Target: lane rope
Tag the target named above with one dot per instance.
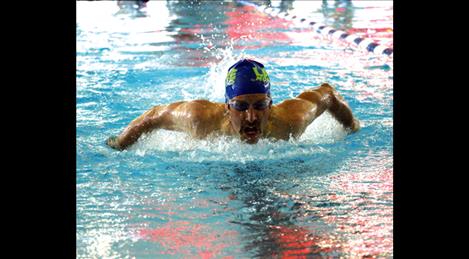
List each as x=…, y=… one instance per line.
x=357, y=41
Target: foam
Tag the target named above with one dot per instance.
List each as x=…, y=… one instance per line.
x=181, y=147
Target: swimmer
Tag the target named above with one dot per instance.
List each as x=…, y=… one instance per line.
x=248, y=112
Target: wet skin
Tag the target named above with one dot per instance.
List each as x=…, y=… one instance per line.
x=201, y=118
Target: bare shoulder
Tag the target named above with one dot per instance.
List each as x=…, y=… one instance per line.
x=291, y=117
x=317, y=95
x=291, y=108
x=203, y=103
x=307, y=102
x=203, y=108
x=200, y=117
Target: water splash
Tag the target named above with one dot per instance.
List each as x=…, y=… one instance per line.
x=323, y=130
x=225, y=57
x=215, y=80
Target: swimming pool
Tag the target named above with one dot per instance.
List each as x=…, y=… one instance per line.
x=327, y=194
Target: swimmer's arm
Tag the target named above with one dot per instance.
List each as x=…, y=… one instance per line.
x=157, y=117
x=327, y=98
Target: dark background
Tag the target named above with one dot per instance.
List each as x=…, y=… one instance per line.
x=39, y=127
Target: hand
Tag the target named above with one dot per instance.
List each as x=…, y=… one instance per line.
x=356, y=125
x=113, y=142
x=340, y=109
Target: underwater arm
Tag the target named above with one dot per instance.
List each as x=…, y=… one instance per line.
x=327, y=98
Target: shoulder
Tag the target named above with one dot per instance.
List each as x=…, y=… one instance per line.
x=291, y=116
x=203, y=110
x=293, y=106
x=203, y=106
x=202, y=117
x=291, y=111
x=202, y=103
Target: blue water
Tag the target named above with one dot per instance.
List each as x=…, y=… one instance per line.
x=170, y=196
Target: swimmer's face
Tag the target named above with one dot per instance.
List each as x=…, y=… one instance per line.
x=249, y=115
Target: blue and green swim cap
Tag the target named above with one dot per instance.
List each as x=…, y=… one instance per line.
x=246, y=77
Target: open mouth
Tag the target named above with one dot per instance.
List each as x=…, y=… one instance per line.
x=251, y=132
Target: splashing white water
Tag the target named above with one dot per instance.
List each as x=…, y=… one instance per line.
x=325, y=129
x=215, y=80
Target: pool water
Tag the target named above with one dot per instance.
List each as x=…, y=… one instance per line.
x=326, y=194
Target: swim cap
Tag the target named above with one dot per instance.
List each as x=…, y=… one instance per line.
x=246, y=77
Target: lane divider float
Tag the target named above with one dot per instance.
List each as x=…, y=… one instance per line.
x=359, y=42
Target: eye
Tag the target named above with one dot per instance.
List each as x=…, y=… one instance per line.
x=240, y=106
x=261, y=105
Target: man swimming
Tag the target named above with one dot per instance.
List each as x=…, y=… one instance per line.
x=248, y=112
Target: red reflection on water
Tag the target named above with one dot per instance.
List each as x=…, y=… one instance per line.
x=362, y=218
x=194, y=57
x=368, y=225
x=244, y=24
x=248, y=23
x=297, y=242
x=182, y=237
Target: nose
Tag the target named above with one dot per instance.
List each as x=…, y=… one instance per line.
x=251, y=114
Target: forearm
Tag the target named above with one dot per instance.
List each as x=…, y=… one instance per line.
x=143, y=124
x=341, y=111
x=131, y=134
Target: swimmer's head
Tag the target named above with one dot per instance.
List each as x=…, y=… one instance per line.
x=246, y=77
x=248, y=100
